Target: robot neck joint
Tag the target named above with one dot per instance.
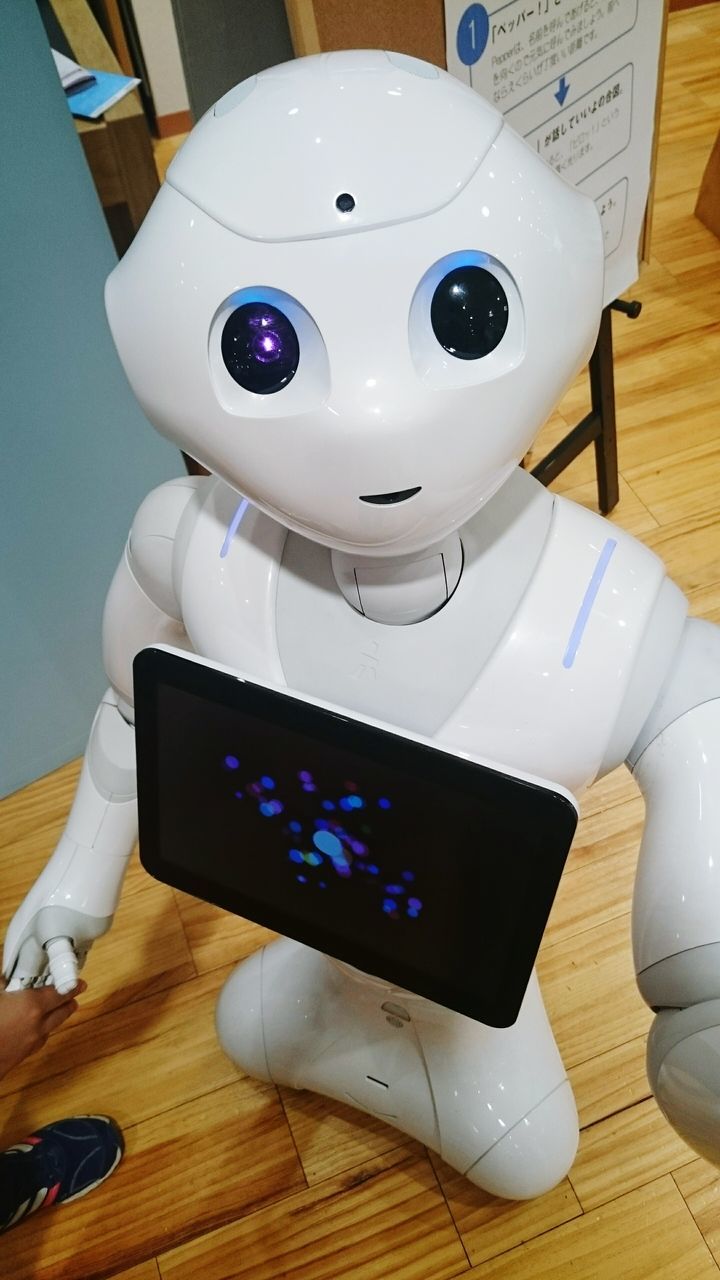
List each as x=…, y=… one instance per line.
x=402, y=589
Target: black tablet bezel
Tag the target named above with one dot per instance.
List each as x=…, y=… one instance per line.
x=547, y=817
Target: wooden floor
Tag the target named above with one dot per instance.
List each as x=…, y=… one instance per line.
x=223, y=1176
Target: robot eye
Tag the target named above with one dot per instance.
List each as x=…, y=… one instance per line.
x=469, y=312
x=260, y=348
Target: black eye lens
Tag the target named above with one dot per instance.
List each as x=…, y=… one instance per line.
x=260, y=348
x=469, y=312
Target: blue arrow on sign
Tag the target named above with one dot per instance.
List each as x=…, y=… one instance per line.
x=563, y=90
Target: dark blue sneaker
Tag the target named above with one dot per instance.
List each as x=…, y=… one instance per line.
x=56, y=1164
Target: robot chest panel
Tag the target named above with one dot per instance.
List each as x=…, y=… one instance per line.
x=538, y=688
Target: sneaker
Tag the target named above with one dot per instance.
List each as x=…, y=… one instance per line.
x=57, y=1164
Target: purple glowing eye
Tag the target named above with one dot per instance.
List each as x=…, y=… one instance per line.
x=260, y=348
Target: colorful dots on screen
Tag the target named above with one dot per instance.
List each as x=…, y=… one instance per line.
x=394, y=889
x=295, y=855
x=384, y=803
x=232, y=762
x=327, y=843
x=358, y=847
x=309, y=786
x=267, y=782
x=302, y=879
x=239, y=795
x=270, y=808
x=305, y=776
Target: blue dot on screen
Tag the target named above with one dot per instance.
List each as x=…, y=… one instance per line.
x=267, y=810
x=267, y=782
x=322, y=884
x=321, y=824
x=327, y=843
x=374, y=871
x=345, y=804
x=415, y=904
x=296, y=856
x=408, y=875
x=394, y=888
x=389, y=905
x=356, y=802
x=413, y=915
x=232, y=762
x=239, y=795
x=302, y=879
x=384, y=803
x=328, y=805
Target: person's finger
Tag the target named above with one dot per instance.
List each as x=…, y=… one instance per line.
x=49, y=998
x=56, y=1017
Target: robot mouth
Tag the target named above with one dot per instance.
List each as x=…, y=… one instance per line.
x=390, y=499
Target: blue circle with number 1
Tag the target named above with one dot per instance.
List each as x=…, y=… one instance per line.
x=472, y=34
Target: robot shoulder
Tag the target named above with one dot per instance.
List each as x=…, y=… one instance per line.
x=156, y=542
x=574, y=676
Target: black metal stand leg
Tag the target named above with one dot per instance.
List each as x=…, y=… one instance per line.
x=598, y=426
x=602, y=392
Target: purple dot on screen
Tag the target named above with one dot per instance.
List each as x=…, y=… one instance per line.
x=296, y=856
x=302, y=879
x=358, y=848
x=328, y=805
x=394, y=888
x=309, y=786
x=408, y=875
x=343, y=870
x=240, y=795
x=232, y=762
x=322, y=884
x=415, y=904
x=384, y=803
x=267, y=782
x=304, y=776
x=276, y=806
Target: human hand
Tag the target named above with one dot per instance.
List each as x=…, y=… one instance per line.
x=27, y=1019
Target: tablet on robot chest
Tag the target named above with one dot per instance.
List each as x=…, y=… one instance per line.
x=424, y=868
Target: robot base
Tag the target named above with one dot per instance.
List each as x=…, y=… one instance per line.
x=495, y=1104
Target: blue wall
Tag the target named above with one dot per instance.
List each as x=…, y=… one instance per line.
x=76, y=453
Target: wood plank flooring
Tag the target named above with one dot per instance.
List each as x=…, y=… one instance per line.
x=226, y=1177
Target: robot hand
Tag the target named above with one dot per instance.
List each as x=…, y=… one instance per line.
x=73, y=900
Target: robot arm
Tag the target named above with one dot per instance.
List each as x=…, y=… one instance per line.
x=73, y=900
x=676, y=910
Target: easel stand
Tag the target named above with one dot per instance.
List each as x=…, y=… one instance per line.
x=598, y=426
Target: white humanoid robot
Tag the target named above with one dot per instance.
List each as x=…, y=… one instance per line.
x=356, y=299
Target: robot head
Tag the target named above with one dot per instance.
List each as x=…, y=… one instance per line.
x=357, y=297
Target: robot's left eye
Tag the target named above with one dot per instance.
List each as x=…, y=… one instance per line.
x=469, y=312
x=260, y=348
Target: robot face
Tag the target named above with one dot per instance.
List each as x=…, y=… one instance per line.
x=357, y=298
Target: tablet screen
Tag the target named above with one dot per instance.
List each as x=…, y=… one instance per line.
x=421, y=867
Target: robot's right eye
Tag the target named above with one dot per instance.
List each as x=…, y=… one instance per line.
x=260, y=348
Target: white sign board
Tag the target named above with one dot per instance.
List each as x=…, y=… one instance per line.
x=578, y=79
